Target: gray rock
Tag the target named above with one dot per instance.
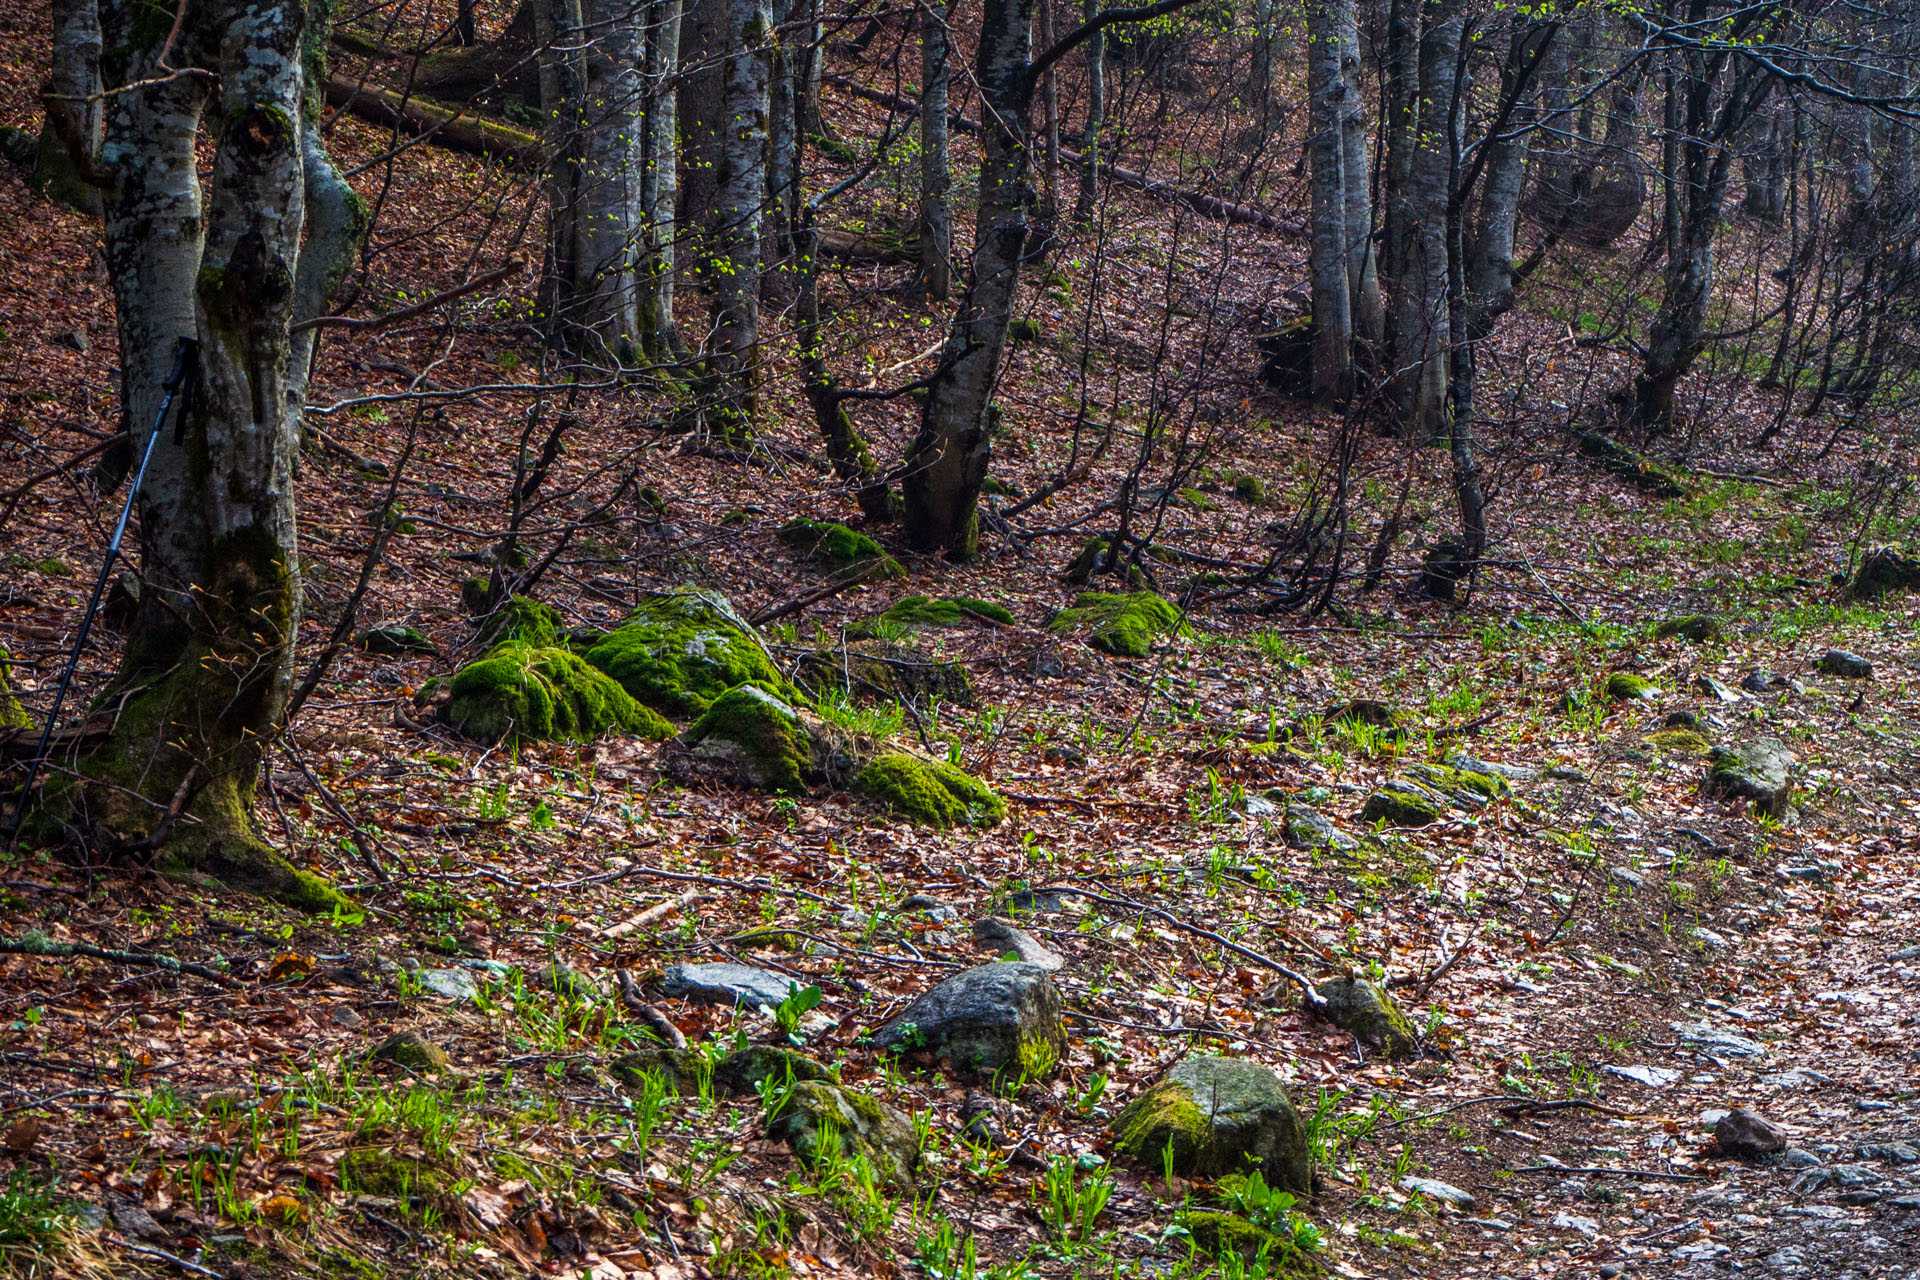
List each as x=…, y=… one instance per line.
x=1905, y=1202
x=1212, y=1116
x=1566, y=773
x=1511, y=772
x=1702, y=1251
x=411, y=1050
x=936, y=910
x=1905, y=953
x=1714, y=689
x=1445, y=1192
x=990, y=1020
x=1747, y=1135
x=1757, y=681
x=456, y=985
x=1797, y=1078
x=1849, y=666
x=1798, y=1158
x=741, y=1071
x=1706, y=1038
x=1652, y=1077
x=1570, y=1222
x=73, y=340
x=882, y=1133
x=1307, y=829
x=1760, y=771
x=1627, y=875
x=728, y=984
x=1847, y=1177
x=1366, y=1010
x=85, y=1215
x=1401, y=802
x=564, y=980
x=998, y=935
x=133, y=1219
x=1892, y=1152
x=1257, y=806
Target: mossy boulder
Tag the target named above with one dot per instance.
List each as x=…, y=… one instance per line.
x=1249, y=489
x=12, y=714
x=840, y=549
x=1760, y=771
x=1466, y=788
x=679, y=651
x=394, y=639
x=818, y=1114
x=523, y=621
x=544, y=694
x=759, y=738
x=1367, y=1011
x=930, y=791
x=743, y=1070
x=1000, y=1021
x=683, y=1071
x=921, y=613
x=413, y=1051
x=1650, y=475
x=1695, y=628
x=892, y=669
x=1625, y=686
x=1883, y=571
x=1122, y=624
x=1402, y=802
x=1840, y=662
x=1213, y=1116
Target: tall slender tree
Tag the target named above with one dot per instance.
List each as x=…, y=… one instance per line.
x=935, y=274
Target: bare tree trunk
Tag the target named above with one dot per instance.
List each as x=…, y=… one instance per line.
x=1050, y=104
x=1489, y=267
x=1420, y=325
x=70, y=138
x=1327, y=256
x=852, y=461
x=733, y=350
x=659, y=182
x=1096, y=111
x=948, y=461
x=1400, y=103
x=783, y=184
x=936, y=171
x=1356, y=167
x=203, y=684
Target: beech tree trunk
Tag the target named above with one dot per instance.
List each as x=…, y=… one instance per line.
x=1489, y=268
x=70, y=137
x=782, y=213
x=203, y=683
x=1326, y=151
x=936, y=169
x=1356, y=171
x=948, y=460
x=659, y=182
x=1420, y=324
x=1096, y=113
x=740, y=181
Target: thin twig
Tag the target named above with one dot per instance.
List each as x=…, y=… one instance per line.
x=38, y=944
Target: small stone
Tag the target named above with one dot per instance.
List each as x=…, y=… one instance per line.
x=1701, y=1251
x=870, y=1127
x=1445, y=1192
x=413, y=1051
x=346, y=1018
x=1848, y=666
x=1757, y=681
x=73, y=340
x=1905, y=953
x=1401, y=803
x=1893, y=1152
x=1369, y=1013
x=456, y=985
x=741, y=1071
x=1714, y=689
x=1566, y=773
x=1627, y=875
x=1570, y=1222
x=1682, y=719
x=989, y=1020
x=728, y=984
x=1745, y=1134
x=1717, y=1041
x=1798, y=1158
x=1905, y=1202
x=1760, y=771
x=1612, y=1270
x=1307, y=829
x=132, y=1218
x=1652, y=1077
x=997, y=935
x=1696, y=628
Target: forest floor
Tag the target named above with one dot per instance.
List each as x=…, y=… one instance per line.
x=1597, y=965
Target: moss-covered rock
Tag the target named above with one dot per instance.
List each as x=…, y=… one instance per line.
x=12, y=714
x=394, y=639
x=411, y=1050
x=818, y=1114
x=841, y=549
x=742, y=1071
x=1197, y=500
x=1648, y=474
x=1884, y=570
x=523, y=621
x=1467, y=788
x=930, y=791
x=547, y=695
x=1369, y=1012
x=758, y=736
x=1404, y=803
x=887, y=669
x=683, y=1071
x=1760, y=771
x=1080, y=572
x=920, y=613
x=1696, y=628
x=1249, y=489
x=1681, y=741
x=679, y=651
x=1124, y=625
x=1213, y=1116
x=386, y=1171
x=1625, y=686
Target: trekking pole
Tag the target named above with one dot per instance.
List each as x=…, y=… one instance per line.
x=179, y=384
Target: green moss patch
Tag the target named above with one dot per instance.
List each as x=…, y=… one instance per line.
x=1469, y=788
x=523, y=621
x=12, y=714
x=545, y=694
x=917, y=613
x=1624, y=686
x=394, y=639
x=679, y=651
x=1124, y=625
x=384, y=1171
x=930, y=791
x=1681, y=740
x=840, y=548
x=1249, y=489
x=1697, y=628
x=759, y=735
x=887, y=669
x=1403, y=803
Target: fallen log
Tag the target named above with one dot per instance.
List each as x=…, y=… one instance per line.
x=460, y=130
x=1199, y=201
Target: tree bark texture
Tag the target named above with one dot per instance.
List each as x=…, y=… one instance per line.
x=740, y=183
x=70, y=137
x=1327, y=255
x=1418, y=357
x=936, y=167
x=660, y=181
x=1096, y=120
